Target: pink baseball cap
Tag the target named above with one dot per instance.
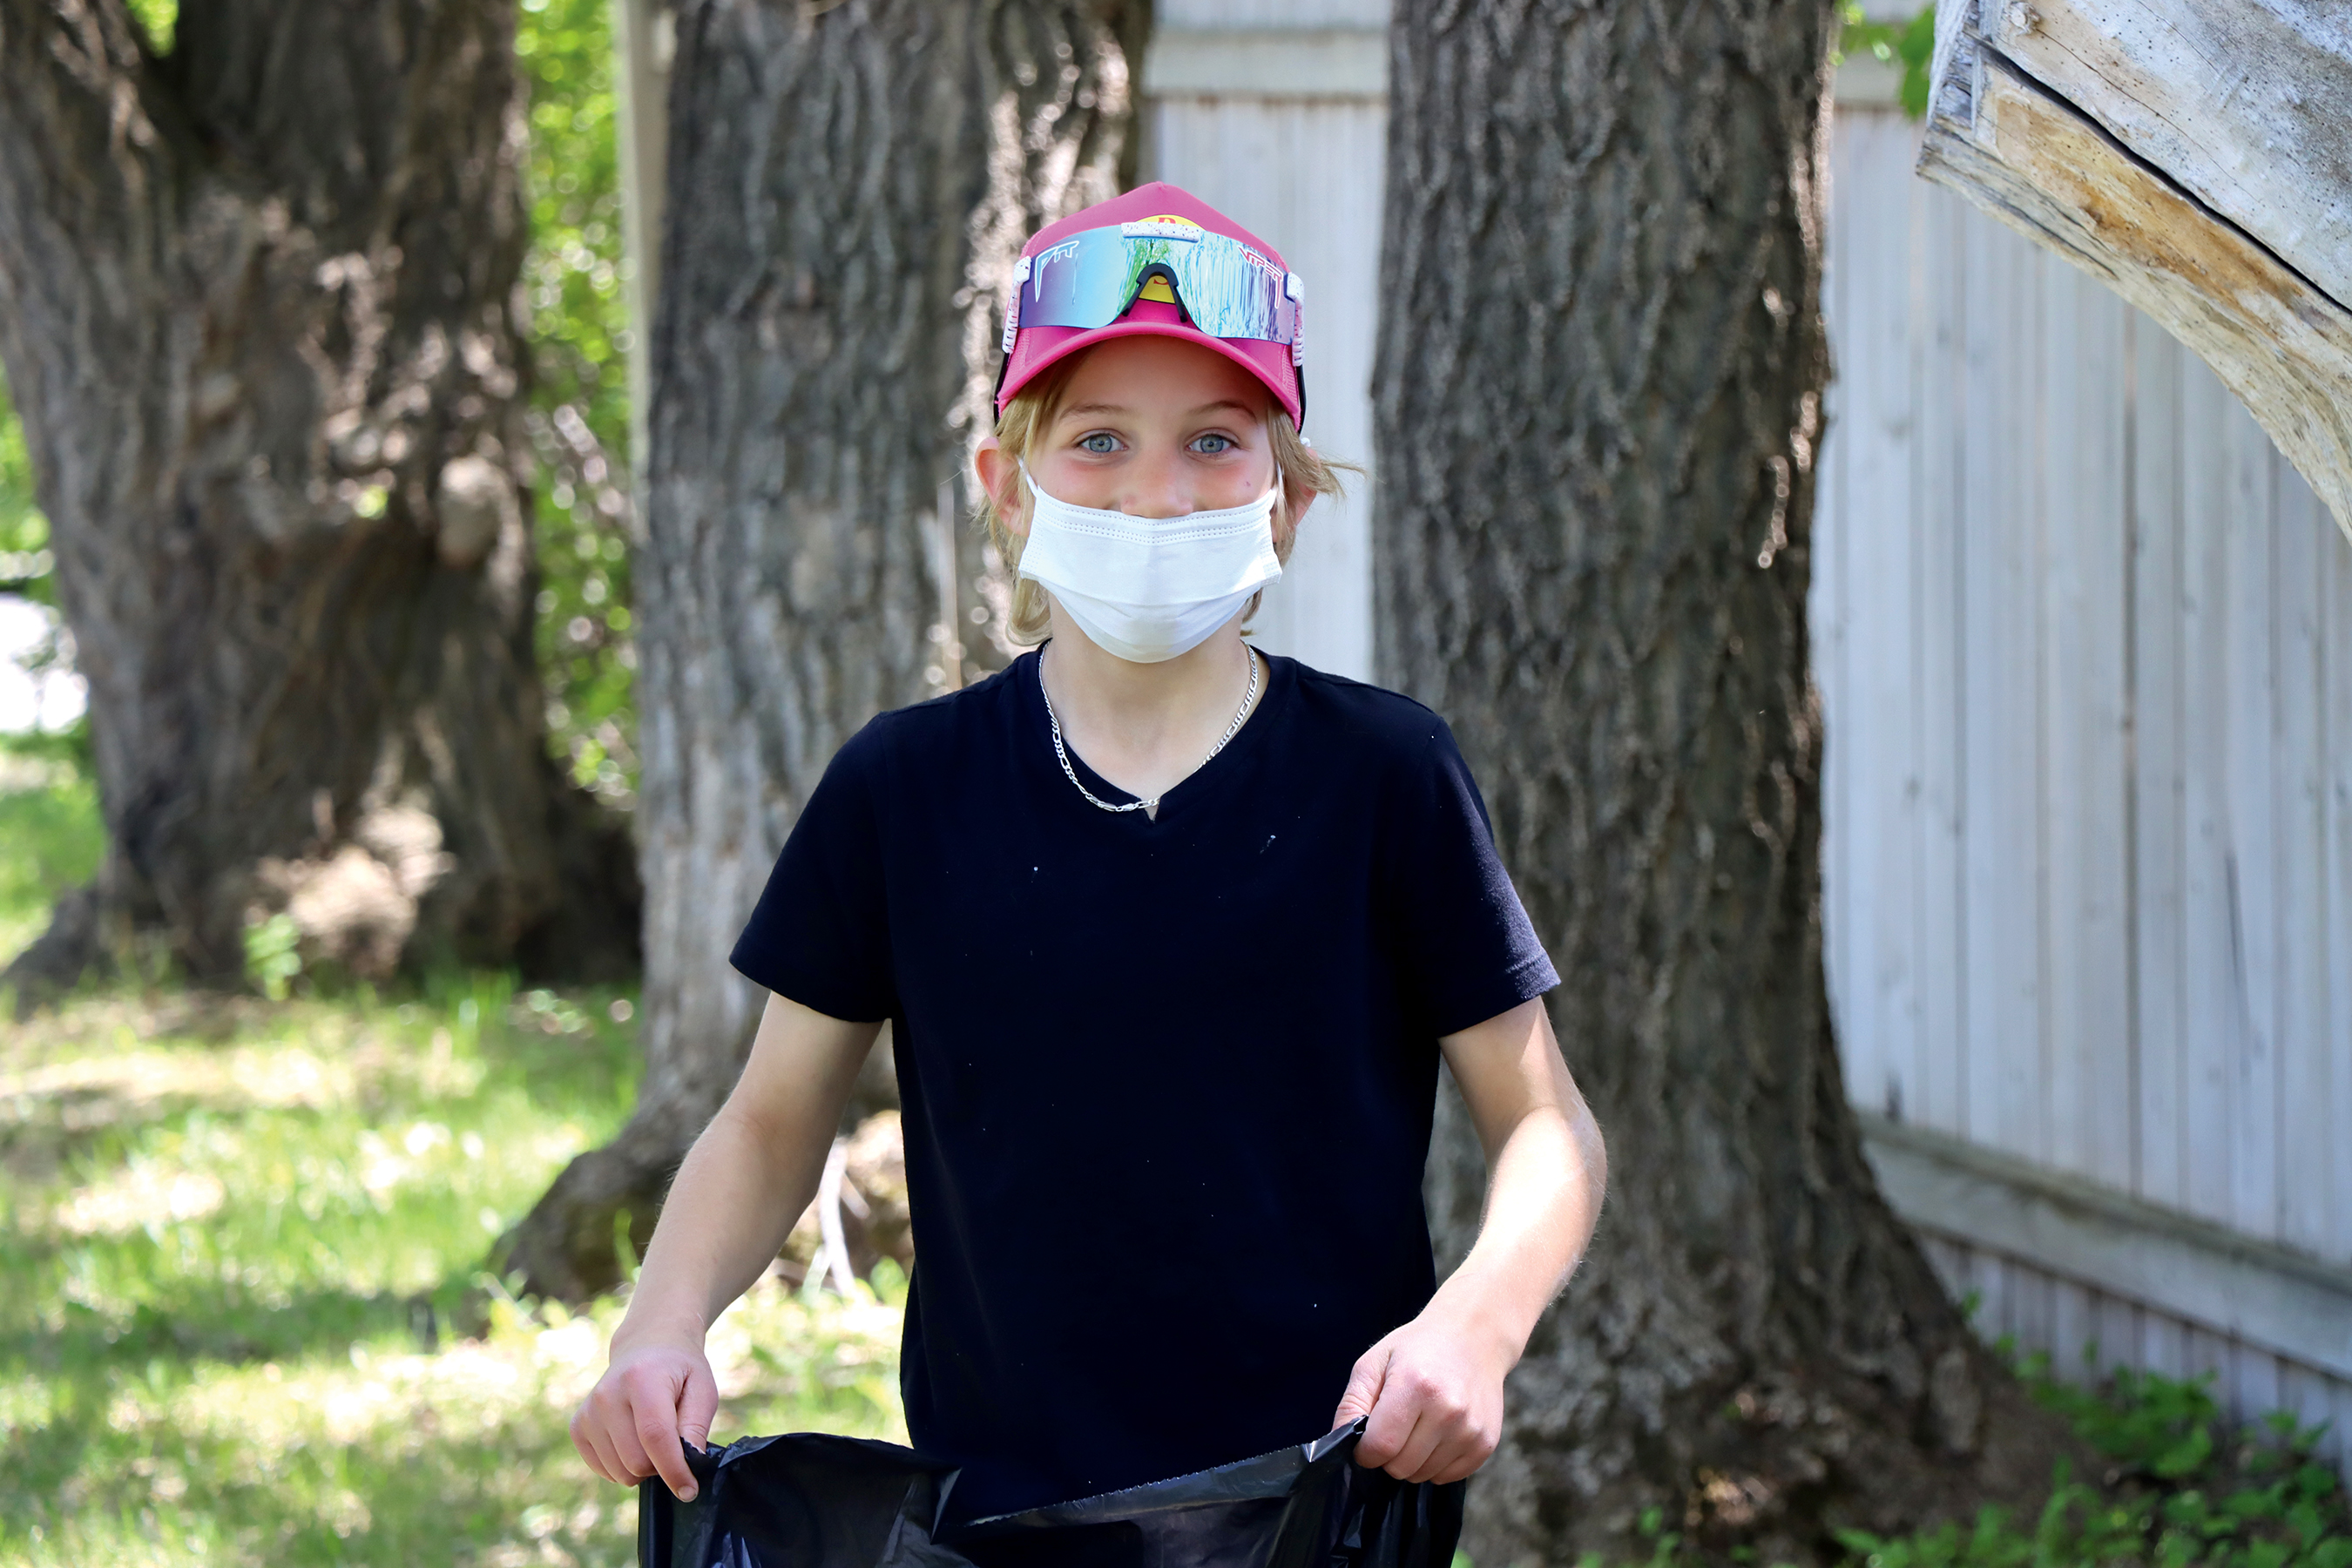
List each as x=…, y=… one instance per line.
x=1035, y=348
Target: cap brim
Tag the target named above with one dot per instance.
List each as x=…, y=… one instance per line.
x=1128, y=327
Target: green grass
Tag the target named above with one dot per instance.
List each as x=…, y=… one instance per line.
x=245, y=1320
x=51, y=839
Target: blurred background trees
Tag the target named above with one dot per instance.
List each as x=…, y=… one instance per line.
x=577, y=418
x=265, y=337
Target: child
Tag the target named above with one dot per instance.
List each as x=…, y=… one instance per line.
x=1172, y=934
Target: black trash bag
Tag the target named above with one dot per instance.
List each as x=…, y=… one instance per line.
x=809, y=1501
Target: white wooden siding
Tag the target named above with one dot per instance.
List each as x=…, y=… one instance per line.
x=2085, y=643
x=1296, y=156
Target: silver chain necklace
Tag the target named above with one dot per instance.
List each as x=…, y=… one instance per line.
x=1071, y=773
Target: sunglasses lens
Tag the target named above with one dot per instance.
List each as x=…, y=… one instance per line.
x=1089, y=279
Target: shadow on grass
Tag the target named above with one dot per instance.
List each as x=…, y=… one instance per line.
x=223, y=1324
x=407, y=1493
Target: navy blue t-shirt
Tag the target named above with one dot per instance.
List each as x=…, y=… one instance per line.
x=1167, y=1084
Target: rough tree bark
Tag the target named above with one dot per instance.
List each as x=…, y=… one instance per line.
x=1598, y=396
x=848, y=188
x=258, y=310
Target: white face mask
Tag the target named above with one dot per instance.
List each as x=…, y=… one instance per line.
x=1144, y=588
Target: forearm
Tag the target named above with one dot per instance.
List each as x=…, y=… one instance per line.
x=1432, y=1389
x=1544, y=1189
x=749, y=1175
x=732, y=1204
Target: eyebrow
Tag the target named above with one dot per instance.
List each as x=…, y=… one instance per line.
x=1076, y=409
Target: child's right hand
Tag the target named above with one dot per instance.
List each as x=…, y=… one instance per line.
x=653, y=1395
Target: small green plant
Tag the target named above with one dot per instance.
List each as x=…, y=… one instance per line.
x=273, y=959
x=2184, y=1490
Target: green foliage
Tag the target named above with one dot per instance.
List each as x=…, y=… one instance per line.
x=26, y=563
x=579, y=416
x=2184, y=1490
x=1912, y=42
x=49, y=824
x=272, y=956
x=246, y=1320
x=158, y=20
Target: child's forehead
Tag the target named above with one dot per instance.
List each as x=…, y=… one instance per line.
x=1158, y=374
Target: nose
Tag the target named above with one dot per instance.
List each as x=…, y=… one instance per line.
x=1158, y=486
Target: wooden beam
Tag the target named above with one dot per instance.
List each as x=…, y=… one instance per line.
x=1353, y=63
x=2189, y=1268
x=1265, y=62
x=2020, y=148
x=2242, y=104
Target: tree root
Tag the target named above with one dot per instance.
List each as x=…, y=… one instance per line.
x=568, y=1246
x=1769, y=1469
x=61, y=956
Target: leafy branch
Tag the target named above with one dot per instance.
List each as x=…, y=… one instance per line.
x=1912, y=43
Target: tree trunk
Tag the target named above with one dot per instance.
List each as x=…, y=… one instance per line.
x=848, y=187
x=258, y=310
x=1601, y=368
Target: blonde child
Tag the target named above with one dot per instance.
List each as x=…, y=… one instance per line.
x=1172, y=934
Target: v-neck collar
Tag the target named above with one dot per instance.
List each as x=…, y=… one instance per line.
x=1179, y=797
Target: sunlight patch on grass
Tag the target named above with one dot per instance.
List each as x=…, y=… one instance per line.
x=246, y=1319
x=354, y=1457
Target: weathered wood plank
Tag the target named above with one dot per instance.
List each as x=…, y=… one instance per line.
x=2301, y=543
x=1999, y=648
x=2240, y=102
x=2249, y=758
x=2161, y=744
x=2063, y=1227
x=2087, y=1048
x=1872, y=395
x=2041, y=165
x=1940, y=221
x=2335, y=871
x=2210, y=1019
x=1260, y=62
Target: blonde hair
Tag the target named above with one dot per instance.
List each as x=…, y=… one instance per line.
x=1304, y=470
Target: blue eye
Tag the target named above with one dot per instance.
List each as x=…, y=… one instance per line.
x=1213, y=445
x=1101, y=443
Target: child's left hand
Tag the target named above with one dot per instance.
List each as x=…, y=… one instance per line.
x=1434, y=1390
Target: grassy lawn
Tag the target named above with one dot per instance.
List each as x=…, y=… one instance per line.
x=241, y=1239
x=244, y=1318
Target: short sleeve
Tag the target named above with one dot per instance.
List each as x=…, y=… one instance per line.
x=1465, y=949
x=820, y=933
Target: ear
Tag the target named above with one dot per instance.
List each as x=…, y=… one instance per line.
x=1295, y=505
x=999, y=475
